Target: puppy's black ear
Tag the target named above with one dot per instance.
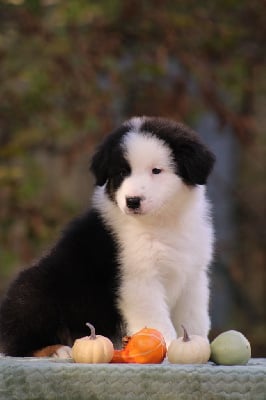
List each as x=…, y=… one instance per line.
x=99, y=165
x=195, y=162
x=106, y=155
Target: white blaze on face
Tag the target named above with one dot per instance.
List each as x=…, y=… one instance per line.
x=153, y=179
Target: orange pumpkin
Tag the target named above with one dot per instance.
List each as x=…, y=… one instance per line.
x=119, y=356
x=144, y=347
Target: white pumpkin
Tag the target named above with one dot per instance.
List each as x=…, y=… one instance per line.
x=93, y=349
x=191, y=349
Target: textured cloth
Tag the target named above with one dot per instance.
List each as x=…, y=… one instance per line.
x=52, y=379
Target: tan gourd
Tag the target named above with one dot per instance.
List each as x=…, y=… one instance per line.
x=193, y=349
x=93, y=349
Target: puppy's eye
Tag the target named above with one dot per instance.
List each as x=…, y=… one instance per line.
x=156, y=171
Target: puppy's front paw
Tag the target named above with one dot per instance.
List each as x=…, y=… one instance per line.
x=63, y=352
x=56, y=351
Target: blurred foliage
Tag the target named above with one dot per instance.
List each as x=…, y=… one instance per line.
x=71, y=70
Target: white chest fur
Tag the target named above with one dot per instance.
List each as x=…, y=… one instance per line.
x=172, y=253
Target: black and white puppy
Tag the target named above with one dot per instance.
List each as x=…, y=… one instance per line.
x=138, y=258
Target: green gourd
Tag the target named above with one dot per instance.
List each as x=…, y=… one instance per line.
x=230, y=348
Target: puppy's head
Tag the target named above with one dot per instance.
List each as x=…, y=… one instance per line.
x=148, y=162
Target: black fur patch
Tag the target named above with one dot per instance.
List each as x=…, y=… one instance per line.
x=108, y=154
x=109, y=164
x=75, y=283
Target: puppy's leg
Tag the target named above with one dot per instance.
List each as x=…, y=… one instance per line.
x=192, y=308
x=142, y=303
x=56, y=351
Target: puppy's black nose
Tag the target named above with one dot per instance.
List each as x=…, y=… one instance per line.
x=133, y=202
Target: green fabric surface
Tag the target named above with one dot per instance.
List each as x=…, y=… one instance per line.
x=52, y=379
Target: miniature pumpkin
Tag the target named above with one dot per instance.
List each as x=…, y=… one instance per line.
x=93, y=349
x=230, y=348
x=191, y=349
x=144, y=347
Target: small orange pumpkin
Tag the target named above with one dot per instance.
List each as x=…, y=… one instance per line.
x=144, y=347
x=119, y=356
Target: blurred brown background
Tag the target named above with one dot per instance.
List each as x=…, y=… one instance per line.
x=71, y=71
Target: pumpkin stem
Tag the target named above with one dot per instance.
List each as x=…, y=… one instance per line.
x=186, y=338
x=92, y=329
